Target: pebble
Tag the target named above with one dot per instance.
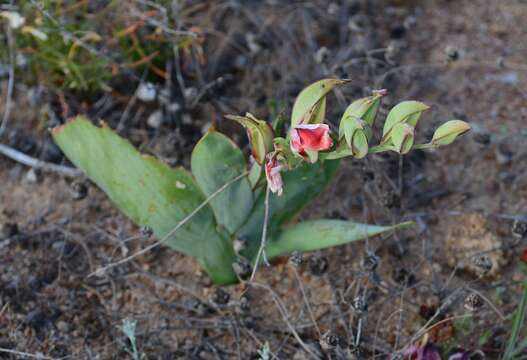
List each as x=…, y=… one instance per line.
x=155, y=120
x=33, y=176
x=146, y=92
x=63, y=326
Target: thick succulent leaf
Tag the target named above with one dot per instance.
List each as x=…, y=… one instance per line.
x=312, y=99
x=407, y=112
x=149, y=192
x=319, y=234
x=301, y=186
x=215, y=161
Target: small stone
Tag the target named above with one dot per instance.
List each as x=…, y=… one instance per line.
x=318, y=265
x=370, y=262
x=146, y=92
x=155, y=120
x=242, y=267
x=473, y=302
x=321, y=55
x=329, y=341
x=484, y=263
x=187, y=119
x=146, y=232
x=239, y=245
x=252, y=43
x=79, y=190
x=296, y=258
x=245, y=303
x=221, y=297
x=452, y=53
x=174, y=108
x=33, y=176
x=519, y=229
x=190, y=94
x=360, y=305
x=63, y=326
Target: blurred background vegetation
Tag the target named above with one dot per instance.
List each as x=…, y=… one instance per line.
x=87, y=47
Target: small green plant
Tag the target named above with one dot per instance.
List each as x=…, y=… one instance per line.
x=264, y=352
x=515, y=348
x=128, y=329
x=227, y=211
x=69, y=45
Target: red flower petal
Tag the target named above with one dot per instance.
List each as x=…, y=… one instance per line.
x=314, y=137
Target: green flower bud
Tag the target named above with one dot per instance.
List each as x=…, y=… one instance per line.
x=407, y=112
x=356, y=132
x=402, y=138
x=260, y=135
x=449, y=131
x=365, y=108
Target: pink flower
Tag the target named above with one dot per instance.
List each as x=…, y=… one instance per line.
x=314, y=137
x=272, y=173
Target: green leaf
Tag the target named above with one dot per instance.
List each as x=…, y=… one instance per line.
x=311, y=102
x=215, y=161
x=149, y=192
x=301, y=186
x=449, y=131
x=407, y=112
x=319, y=234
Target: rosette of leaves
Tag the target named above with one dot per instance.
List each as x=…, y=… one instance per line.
x=153, y=194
